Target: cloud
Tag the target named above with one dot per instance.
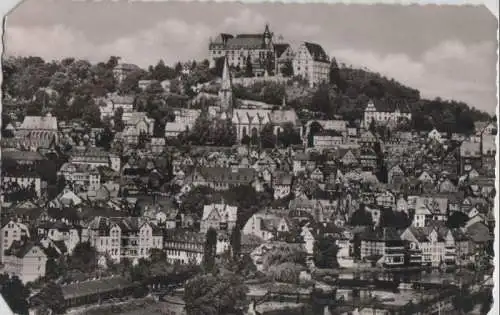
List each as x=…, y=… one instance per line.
x=246, y=20
x=171, y=40
x=450, y=70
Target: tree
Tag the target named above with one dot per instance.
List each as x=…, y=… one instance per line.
x=463, y=302
x=162, y=72
x=321, y=101
x=325, y=252
x=249, y=67
x=289, y=136
x=92, y=115
x=14, y=293
x=118, y=119
x=236, y=242
x=314, y=128
x=53, y=269
x=105, y=138
x=178, y=68
x=267, y=136
x=224, y=294
x=210, y=250
x=457, y=220
x=361, y=217
x=334, y=75
x=84, y=257
x=51, y=297
x=287, y=69
x=394, y=219
x=130, y=83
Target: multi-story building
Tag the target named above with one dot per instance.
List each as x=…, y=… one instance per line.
x=60, y=231
x=184, y=246
x=11, y=232
x=184, y=121
x=385, y=245
x=219, y=217
x=222, y=178
x=94, y=157
x=311, y=63
x=83, y=176
x=327, y=139
x=109, y=104
x=256, y=49
x=118, y=238
x=25, y=179
x=266, y=225
x=26, y=260
x=383, y=116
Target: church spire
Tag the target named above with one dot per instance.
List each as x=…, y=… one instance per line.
x=226, y=91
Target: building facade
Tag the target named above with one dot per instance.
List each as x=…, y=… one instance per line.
x=311, y=63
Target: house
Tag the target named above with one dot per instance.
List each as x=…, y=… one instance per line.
x=327, y=139
x=26, y=260
x=367, y=138
x=470, y=156
x=311, y=63
x=60, y=231
x=82, y=177
x=119, y=238
x=282, y=184
x=67, y=198
x=395, y=115
x=222, y=178
x=386, y=199
x=144, y=84
x=109, y=104
x=221, y=217
x=422, y=216
x=284, y=54
x=11, y=232
x=317, y=175
x=395, y=174
x=267, y=225
x=184, y=247
x=184, y=121
x=22, y=178
x=385, y=245
x=94, y=157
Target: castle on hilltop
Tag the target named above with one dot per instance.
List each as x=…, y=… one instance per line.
x=261, y=50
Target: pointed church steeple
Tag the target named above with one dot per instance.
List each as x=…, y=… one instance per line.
x=267, y=37
x=226, y=91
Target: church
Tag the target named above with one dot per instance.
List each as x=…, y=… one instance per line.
x=250, y=117
x=38, y=131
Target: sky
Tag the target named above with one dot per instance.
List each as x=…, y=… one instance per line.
x=445, y=51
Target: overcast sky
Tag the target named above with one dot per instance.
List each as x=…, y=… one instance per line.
x=447, y=51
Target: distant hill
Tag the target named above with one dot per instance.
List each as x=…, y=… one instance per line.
x=352, y=88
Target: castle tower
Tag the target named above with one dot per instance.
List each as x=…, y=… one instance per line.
x=267, y=37
x=226, y=92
